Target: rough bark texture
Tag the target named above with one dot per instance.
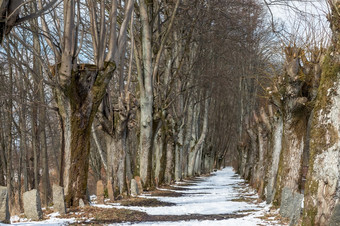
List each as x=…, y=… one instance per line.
x=276, y=151
x=274, y=157
x=323, y=179
x=179, y=154
x=116, y=147
x=194, y=155
x=146, y=97
x=169, y=168
x=85, y=93
x=295, y=118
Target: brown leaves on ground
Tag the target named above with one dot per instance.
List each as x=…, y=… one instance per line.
x=99, y=216
x=274, y=216
x=94, y=215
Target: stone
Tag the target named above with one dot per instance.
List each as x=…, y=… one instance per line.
x=58, y=199
x=134, y=188
x=296, y=208
x=81, y=203
x=4, y=209
x=139, y=183
x=286, y=202
x=100, y=192
x=32, y=205
x=110, y=191
x=269, y=193
x=291, y=205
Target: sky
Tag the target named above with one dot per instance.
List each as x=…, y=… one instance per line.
x=306, y=19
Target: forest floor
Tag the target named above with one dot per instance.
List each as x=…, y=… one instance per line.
x=222, y=198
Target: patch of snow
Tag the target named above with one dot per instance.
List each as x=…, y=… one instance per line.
x=51, y=222
x=105, y=206
x=93, y=197
x=232, y=221
x=56, y=214
x=15, y=218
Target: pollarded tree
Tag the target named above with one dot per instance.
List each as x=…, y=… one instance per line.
x=322, y=186
x=81, y=87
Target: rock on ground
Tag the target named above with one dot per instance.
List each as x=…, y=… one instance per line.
x=32, y=205
x=58, y=199
x=134, y=188
x=4, y=211
x=100, y=192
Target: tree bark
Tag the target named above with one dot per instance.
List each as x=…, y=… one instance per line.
x=323, y=184
x=169, y=168
x=146, y=96
x=276, y=145
x=85, y=96
x=187, y=137
x=194, y=155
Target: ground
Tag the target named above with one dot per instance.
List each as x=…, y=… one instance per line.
x=219, y=199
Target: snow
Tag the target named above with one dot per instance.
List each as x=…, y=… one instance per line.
x=52, y=221
x=220, y=193
x=230, y=222
x=212, y=195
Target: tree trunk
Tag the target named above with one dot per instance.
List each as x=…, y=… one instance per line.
x=64, y=112
x=85, y=93
x=323, y=183
x=191, y=152
x=187, y=138
x=46, y=177
x=9, y=139
x=276, y=146
x=295, y=118
x=23, y=142
x=2, y=156
x=194, y=153
x=80, y=149
x=146, y=97
x=169, y=168
x=179, y=153
x=116, y=161
x=198, y=163
x=158, y=154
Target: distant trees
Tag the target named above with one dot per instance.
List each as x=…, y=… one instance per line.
x=125, y=89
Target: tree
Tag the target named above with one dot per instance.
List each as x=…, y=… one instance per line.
x=9, y=12
x=82, y=87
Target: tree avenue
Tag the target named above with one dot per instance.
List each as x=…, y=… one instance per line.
x=153, y=92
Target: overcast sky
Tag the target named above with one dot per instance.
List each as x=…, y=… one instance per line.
x=306, y=18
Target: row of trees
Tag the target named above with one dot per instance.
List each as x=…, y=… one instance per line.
x=290, y=150
x=120, y=89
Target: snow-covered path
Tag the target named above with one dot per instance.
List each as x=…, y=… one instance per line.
x=222, y=193
x=222, y=198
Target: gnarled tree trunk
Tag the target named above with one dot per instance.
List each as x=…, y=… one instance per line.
x=322, y=202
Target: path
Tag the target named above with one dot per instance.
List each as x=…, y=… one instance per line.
x=221, y=194
x=222, y=198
